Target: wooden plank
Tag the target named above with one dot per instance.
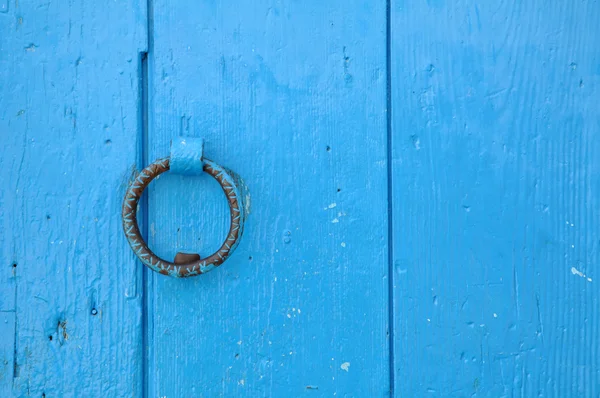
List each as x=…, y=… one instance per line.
x=495, y=136
x=69, y=118
x=7, y=351
x=292, y=96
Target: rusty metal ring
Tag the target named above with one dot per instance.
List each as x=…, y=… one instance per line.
x=185, y=265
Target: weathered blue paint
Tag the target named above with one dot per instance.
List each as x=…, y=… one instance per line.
x=291, y=95
x=495, y=139
x=186, y=156
x=69, y=106
x=424, y=187
x=228, y=181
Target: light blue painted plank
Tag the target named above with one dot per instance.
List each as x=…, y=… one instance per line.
x=495, y=176
x=68, y=123
x=7, y=350
x=7, y=317
x=292, y=97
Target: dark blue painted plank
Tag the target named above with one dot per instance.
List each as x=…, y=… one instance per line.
x=495, y=176
x=292, y=97
x=69, y=124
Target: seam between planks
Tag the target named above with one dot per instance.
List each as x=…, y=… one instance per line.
x=390, y=190
x=147, y=277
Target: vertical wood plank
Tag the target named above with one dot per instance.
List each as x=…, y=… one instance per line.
x=70, y=301
x=495, y=136
x=291, y=96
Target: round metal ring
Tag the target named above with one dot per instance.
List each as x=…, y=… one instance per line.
x=226, y=179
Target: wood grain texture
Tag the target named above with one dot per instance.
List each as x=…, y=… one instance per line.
x=291, y=96
x=69, y=99
x=495, y=176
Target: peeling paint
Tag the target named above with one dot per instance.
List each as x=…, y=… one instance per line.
x=575, y=271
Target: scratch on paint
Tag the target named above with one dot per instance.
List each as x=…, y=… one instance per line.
x=575, y=271
x=539, y=316
x=61, y=331
x=516, y=287
x=16, y=335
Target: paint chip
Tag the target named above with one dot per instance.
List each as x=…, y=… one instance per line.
x=335, y=221
x=575, y=271
x=345, y=366
x=343, y=244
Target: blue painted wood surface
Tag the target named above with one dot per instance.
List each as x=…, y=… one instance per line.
x=69, y=126
x=449, y=143
x=284, y=94
x=495, y=181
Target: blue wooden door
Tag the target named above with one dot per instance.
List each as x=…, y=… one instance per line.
x=422, y=198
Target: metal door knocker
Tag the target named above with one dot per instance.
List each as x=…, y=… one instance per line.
x=186, y=158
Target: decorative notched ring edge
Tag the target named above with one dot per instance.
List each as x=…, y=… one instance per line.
x=229, y=182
